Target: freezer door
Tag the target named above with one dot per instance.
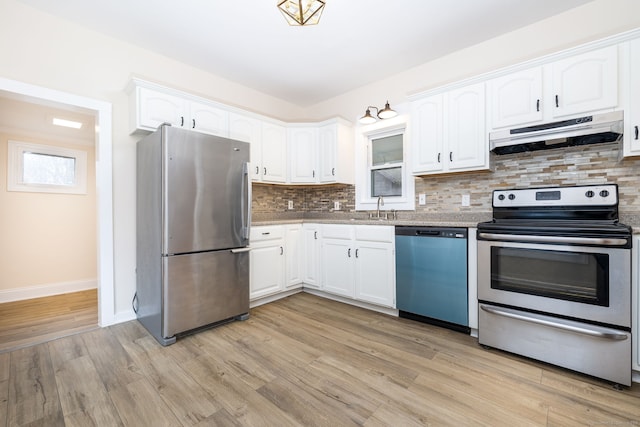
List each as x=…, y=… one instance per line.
x=206, y=197
x=204, y=288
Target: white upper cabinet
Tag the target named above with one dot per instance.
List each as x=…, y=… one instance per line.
x=516, y=98
x=468, y=141
x=274, y=153
x=572, y=86
x=152, y=108
x=335, y=143
x=249, y=130
x=303, y=155
x=632, y=110
x=206, y=118
x=586, y=82
x=448, y=131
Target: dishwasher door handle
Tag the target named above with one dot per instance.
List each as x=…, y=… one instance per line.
x=427, y=233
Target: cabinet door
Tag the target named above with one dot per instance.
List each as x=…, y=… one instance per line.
x=274, y=146
x=338, y=271
x=311, y=256
x=468, y=141
x=375, y=273
x=328, y=146
x=516, y=99
x=156, y=108
x=586, y=82
x=303, y=155
x=293, y=256
x=248, y=130
x=208, y=119
x=428, y=134
x=632, y=113
x=267, y=270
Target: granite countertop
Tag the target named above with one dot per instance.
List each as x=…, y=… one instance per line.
x=449, y=219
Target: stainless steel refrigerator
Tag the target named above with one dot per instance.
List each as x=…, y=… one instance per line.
x=193, y=219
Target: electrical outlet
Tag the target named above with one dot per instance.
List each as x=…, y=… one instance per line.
x=422, y=199
x=336, y=206
x=466, y=200
x=290, y=204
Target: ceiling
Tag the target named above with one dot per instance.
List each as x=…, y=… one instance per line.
x=357, y=42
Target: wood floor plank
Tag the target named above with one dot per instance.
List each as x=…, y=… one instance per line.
x=33, y=394
x=35, y=321
x=140, y=405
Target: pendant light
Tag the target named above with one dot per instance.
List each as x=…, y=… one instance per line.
x=301, y=12
x=385, y=113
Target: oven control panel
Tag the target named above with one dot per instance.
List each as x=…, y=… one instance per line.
x=585, y=195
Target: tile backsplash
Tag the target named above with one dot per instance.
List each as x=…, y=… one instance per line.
x=594, y=164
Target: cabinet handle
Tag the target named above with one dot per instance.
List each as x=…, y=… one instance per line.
x=315, y=235
x=265, y=171
x=194, y=123
x=313, y=174
x=333, y=170
x=281, y=250
x=557, y=104
x=349, y=252
x=357, y=253
x=451, y=156
x=257, y=170
x=181, y=121
x=636, y=129
x=266, y=233
x=537, y=105
x=439, y=157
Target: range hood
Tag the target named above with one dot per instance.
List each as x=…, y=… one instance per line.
x=599, y=128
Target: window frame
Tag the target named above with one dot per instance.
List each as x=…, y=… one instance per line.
x=15, y=168
x=364, y=166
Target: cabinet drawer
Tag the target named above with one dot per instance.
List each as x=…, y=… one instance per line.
x=375, y=233
x=270, y=232
x=337, y=231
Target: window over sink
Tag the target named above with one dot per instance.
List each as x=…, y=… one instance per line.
x=381, y=169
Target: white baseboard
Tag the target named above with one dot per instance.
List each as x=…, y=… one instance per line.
x=47, y=290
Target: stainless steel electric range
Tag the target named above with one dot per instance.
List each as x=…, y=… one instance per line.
x=554, y=279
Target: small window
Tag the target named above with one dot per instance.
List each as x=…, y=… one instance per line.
x=386, y=166
x=46, y=168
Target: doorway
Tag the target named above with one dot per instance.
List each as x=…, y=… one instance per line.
x=101, y=111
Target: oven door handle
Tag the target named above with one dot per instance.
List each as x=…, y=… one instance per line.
x=554, y=239
x=603, y=333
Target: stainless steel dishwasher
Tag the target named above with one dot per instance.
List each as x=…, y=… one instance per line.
x=431, y=275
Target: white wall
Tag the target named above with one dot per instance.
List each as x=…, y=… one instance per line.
x=590, y=22
x=43, y=50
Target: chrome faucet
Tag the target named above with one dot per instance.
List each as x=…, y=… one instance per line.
x=380, y=203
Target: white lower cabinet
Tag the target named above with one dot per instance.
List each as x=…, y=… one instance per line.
x=293, y=256
x=358, y=262
x=311, y=248
x=267, y=261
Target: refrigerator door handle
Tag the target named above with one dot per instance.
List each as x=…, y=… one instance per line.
x=246, y=206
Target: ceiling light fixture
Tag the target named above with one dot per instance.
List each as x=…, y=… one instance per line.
x=301, y=12
x=385, y=113
x=66, y=123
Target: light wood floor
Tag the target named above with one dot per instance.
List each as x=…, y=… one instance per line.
x=300, y=361
x=34, y=321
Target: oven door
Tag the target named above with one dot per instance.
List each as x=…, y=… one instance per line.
x=581, y=282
